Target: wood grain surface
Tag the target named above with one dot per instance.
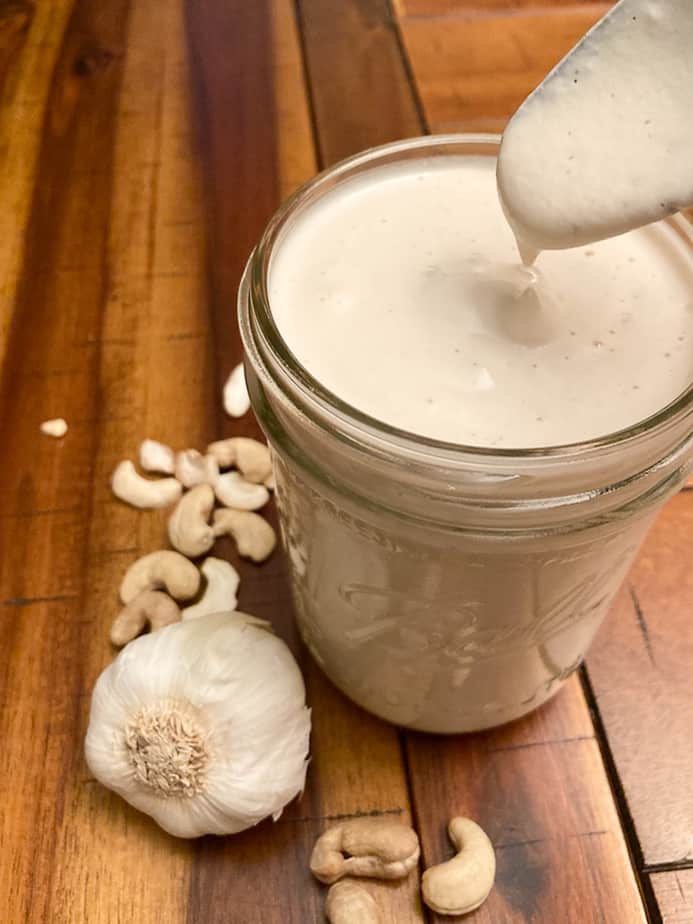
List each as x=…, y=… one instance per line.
x=143, y=147
x=674, y=891
x=473, y=72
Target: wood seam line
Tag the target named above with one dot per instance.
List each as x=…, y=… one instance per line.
x=628, y=829
x=396, y=26
x=308, y=84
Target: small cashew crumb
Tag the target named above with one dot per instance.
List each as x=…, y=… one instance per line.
x=193, y=468
x=56, y=427
x=188, y=526
x=220, y=593
x=157, y=457
x=375, y=847
x=251, y=457
x=233, y=490
x=254, y=536
x=151, y=607
x=463, y=883
x=148, y=494
x=350, y=903
x=236, y=398
x=170, y=570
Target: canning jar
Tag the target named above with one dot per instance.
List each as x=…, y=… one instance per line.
x=442, y=587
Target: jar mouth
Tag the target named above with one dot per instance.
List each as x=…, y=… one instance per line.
x=263, y=341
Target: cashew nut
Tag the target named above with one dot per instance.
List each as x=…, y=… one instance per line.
x=270, y=481
x=151, y=607
x=188, y=526
x=132, y=488
x=236, y=398
x=219, y=594
x=463, y=883
x=350, y=903
x=193, y=468
x=251, y=457
x=233, y=490
x=376, y=847
x=254, y=536
x=56, y=427
x=166, y=569
x=157, y=457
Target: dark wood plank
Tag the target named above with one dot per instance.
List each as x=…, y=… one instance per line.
x=674, y=893
x=359, y=85
x=249, y=142
x=473, y=72
x=539, y=789
x=640, y=671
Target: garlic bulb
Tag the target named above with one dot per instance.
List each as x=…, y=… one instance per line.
x=202, y=725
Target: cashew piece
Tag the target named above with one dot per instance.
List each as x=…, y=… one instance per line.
x=375, y=847
x=143, y=492
x=350, y=903
x=251, y=457
x=151, y=607
x=254, y=536
x=188, y=525
x=56, y=427
x=233, y=490
x=193, y=468
x=219, y=595
x=235, y=395
x=157, y=457
x=463, y=883
x=166, y=569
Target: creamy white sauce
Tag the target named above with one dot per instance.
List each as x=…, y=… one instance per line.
x=400, y=291
x=605, y=143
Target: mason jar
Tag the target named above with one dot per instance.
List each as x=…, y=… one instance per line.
x=445, y=588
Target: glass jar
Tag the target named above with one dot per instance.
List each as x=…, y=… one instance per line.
x=445, y=588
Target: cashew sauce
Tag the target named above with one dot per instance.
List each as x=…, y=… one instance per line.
x=400, y=290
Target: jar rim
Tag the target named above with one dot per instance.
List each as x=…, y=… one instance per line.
x=317, y=400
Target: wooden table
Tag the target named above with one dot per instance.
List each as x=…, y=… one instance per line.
x=144, y=145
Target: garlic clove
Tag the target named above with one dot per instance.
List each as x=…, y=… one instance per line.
x=214, y=738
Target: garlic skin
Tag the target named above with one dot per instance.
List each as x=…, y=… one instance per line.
x=202, y=725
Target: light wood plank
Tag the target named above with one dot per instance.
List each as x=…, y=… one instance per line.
x=30, y=38
x=640, y=670
x=473, y=72
x=674, y=893
x=446, y=8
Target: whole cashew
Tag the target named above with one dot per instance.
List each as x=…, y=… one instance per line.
x=235, y=394
x=251, y=458
x=192, y=468
x=188, y=525
x=143, y=492
x=463, y=883
x=157, y=457
x=254, y=536
x=151, y=607
x=219, y=595
x=166, y=569
x=350, y=903
x=57, y=427
x=374, y=847
x=233, y=490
